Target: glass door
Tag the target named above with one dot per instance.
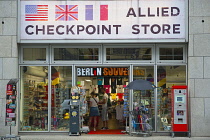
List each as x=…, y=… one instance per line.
x=143, y=100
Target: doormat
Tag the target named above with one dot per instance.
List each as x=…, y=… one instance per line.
x=112, y=131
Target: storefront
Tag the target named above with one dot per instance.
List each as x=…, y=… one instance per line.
x=99, y=45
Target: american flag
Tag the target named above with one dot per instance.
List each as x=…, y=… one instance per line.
x=66, y=12
x=36, y=13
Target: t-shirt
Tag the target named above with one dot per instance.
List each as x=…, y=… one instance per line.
x=113, y=95
x=94, y=104
x=106, y=80
x=100, y=80
x=94, y=88
x=107, y=88
x=119, y=88
x=119, y=112
x=120, y=95
x=113, y=88
x=100, y=88
x=119, y=80
x=113, y=81
x=105, y=97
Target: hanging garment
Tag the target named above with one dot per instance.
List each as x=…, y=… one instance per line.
x=119, y=112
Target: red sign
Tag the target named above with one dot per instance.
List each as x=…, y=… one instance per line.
x=9, y=89
x=9, y=110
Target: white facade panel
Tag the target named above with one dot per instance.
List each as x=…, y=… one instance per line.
x=10, y=26
x=196, y=25
x=10, y=68
x=5, y=44
x=207, y=108
x=195, y=67
x=202, y=88
x=201, y=45
x=5, y=8
x=206, y=67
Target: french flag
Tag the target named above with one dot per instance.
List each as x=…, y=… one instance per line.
x=89, y=12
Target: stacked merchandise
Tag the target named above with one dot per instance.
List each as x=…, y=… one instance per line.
x=126, y=103
x=140, y=121
x=83, y=110
x=126, y=107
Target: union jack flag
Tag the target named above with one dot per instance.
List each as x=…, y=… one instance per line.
x=36, y=13
x=66, y=12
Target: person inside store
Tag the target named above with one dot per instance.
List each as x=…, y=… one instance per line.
x=94, y=111
x=104, y=115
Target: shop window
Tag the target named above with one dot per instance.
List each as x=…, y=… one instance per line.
x=34, y=98
x=167, y=76
x=144, y=100
x=171, y=53
x=61, y=81
x=128, y=53
x=34, y=54
x=76, y=54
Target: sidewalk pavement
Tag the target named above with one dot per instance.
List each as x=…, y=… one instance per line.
x=104, y=137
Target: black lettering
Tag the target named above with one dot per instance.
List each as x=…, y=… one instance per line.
x=149, y=14
x=135, y=27
x=131, y=12
x=177, y=11
x=41, y=30
x=165, y=11
x=80, y=28
x=104, y=28
x=57, y=29
x=158, y=11
x=155, y=26
x=69, y=29
x=26, y=29
x=117, y=26
x=145, y=28
x=140, y=15
x=98, y=29
x=93, y=29
x=176, y=28
x=166, y=28
x=49, y=29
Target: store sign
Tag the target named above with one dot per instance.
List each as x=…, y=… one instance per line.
x=108, y=72
x=102, y=71
x=136, y=19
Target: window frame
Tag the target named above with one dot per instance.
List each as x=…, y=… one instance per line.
x=152, y=46
x=79, y=61
x=158, y=46
x=32, y=46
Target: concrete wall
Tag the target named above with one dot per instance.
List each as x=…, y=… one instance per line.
x=199, y=66
x=8, y=55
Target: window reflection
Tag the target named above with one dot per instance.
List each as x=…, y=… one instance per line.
x=63, y=54
x=145, y=99
x=128, y=54
x=61, y=86
x=167, y=77
x=34, y=54
x=171, y=53
x=34, y=98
